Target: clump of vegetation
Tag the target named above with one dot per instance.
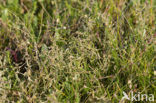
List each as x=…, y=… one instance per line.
x=76, y=50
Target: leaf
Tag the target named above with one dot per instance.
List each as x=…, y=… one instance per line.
x=44, y=48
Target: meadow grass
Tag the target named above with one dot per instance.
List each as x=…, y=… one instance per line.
x=76, y=51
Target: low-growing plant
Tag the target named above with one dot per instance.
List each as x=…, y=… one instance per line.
x=76, y=51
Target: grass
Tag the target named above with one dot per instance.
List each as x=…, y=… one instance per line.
x=73, y=51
